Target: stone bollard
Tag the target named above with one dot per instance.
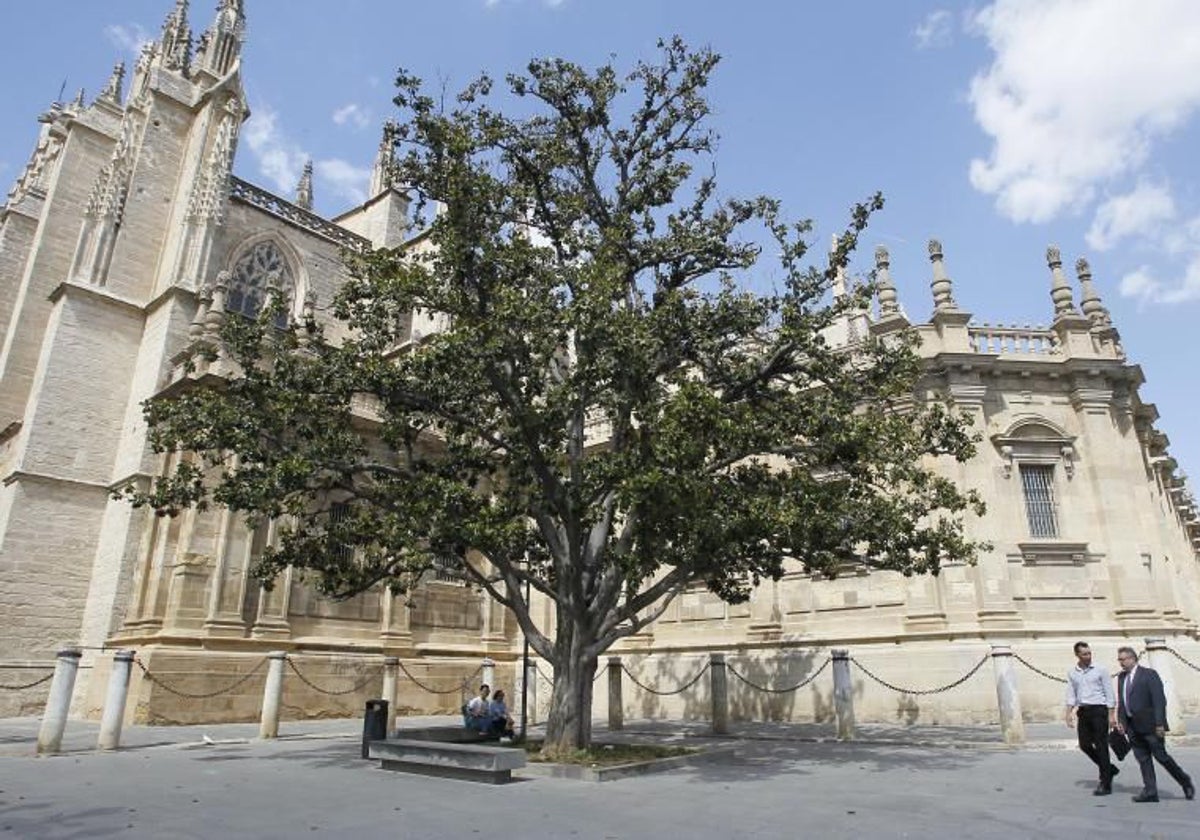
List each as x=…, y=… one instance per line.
x=1008, y=695
x=720, y=694
x=616, y=709
x=391, y=674
x=58, y=703
x=114, y=702
x=1159, y=658
x=843, y=695
x=272, y=695
x=531, y=694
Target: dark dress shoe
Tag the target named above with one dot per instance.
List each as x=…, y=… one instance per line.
x=1189, y=791
x=1102, y=790
x=1146, y=797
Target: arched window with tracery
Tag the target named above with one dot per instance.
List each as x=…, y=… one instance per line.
x=253, y=272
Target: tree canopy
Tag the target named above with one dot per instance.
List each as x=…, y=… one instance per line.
x=622, y=399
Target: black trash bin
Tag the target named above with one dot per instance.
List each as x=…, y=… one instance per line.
x=374, y=723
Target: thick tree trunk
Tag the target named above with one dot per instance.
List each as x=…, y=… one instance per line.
x=569, y=724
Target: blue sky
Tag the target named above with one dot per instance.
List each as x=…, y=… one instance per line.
x=998, y=127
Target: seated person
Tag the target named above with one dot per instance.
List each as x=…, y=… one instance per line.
x=476, y=714
x=501, y=722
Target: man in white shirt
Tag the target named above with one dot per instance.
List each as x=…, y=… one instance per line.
x=476, y=711
x=1092, y=710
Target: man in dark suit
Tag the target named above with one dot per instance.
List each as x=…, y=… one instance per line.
x=1142, y=715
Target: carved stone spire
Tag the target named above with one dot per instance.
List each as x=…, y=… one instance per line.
x=112, y=88
x=177, y=39
x=943, y=288
x=222, y=43
x=888, y=305
x=78, y=105
x=839, y=277
x=383, y=175
x=304, y=189
x=1060, y=290
x=1090, y=299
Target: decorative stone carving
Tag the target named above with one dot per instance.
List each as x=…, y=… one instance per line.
x=942, y=286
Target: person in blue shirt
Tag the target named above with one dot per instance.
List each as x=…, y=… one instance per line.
x=501, y=722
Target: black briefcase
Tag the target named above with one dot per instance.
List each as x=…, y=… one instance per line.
x=1118, y=743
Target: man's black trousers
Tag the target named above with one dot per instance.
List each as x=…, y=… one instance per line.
x=1092, y=727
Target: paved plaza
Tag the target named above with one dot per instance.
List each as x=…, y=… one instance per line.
x=772, y=781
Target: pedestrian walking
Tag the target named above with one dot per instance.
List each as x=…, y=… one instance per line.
x=1142, y=714
x=1092, y=710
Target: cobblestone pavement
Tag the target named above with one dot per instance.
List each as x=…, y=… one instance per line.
x=777, y=781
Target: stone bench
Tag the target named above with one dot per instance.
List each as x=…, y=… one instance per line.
x=476, y=762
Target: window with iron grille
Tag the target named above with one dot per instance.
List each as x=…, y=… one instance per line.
x=1037, y=484
x=445, y=570
x=340, y=512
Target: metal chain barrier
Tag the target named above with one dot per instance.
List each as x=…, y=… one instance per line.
x=788, y=690
x=1037, y=670
x=358, y=686
x=925, y=691
x=460, y=687
x=207, y=695
x=679, y=690
x=36, y=682
x=1184, y=660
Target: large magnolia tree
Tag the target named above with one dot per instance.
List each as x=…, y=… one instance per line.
x=615, y=409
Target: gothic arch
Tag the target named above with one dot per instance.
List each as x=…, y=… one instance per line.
x=251, y=264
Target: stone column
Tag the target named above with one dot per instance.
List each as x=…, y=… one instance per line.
x=720, y=694
x=396, y=620
x=114, y=702
x=391, y=669
x=62, y=686
x=766, y=621
x=843, y=695
x=489, y=673
x=1159, y=658
x=616, y=709
x=1101, y=454
x=272, y=695
x=531, y=694
x=1008, y=696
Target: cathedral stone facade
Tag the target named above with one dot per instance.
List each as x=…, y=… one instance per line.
x=127, y=237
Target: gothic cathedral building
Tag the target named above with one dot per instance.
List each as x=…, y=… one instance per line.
x=127, y=236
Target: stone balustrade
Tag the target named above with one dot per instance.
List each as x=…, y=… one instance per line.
x=1013, y=340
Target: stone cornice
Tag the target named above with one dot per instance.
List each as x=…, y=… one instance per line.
x=95, y=293
x=47, y=478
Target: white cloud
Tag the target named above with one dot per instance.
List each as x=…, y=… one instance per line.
x=1077, y=94
x=1143, y=285
x=127, y=37
x=352, y=114
x=347, y=181
x=937, y=30
x=279, y=159
x=1138, y=213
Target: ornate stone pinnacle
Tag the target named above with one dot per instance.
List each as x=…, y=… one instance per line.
x=883, y=281
x=177, y=38
x=1090, y=301
x=942, y=287
x=112, y=88
x=304, y=189
x=1060, y=290
x=383, y=174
